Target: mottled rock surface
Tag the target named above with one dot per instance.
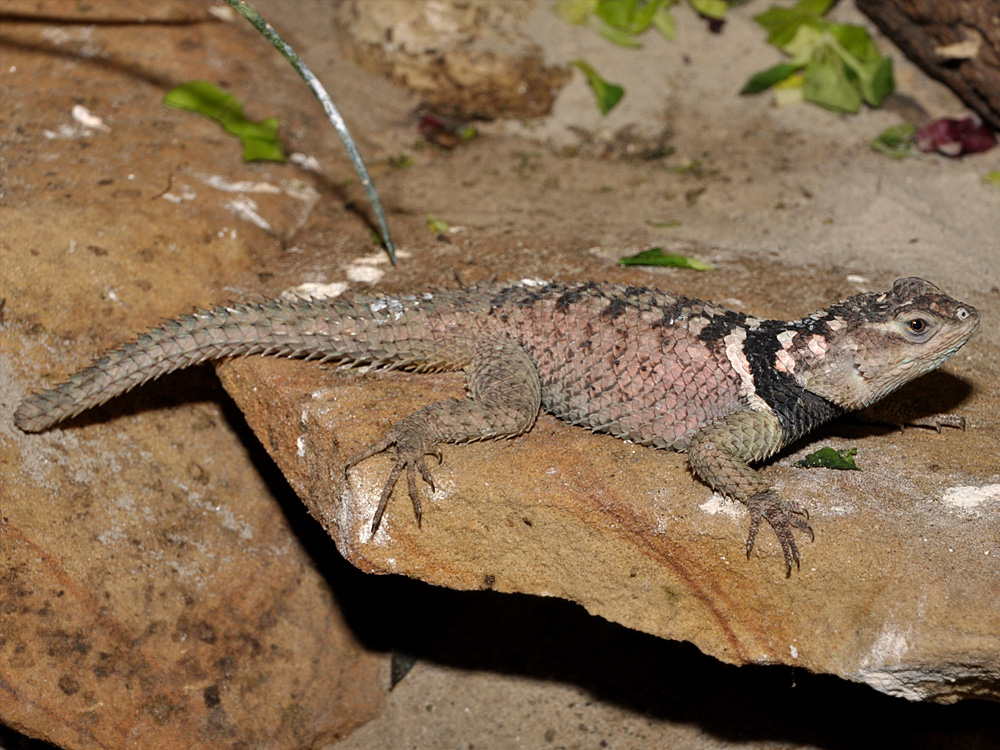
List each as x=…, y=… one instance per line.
x=465, y=60
x=154, y=592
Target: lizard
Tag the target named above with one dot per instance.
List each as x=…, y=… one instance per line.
x=645, y=365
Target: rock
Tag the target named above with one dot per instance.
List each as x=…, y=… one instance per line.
x=627, y=532
x=154, y=593
x=465, y=59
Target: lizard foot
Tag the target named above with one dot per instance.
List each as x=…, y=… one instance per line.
x=935, y=421
x=410, y=452
x=782, y=515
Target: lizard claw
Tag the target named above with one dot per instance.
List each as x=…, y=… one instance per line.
x=782, y=515
x=409, y=456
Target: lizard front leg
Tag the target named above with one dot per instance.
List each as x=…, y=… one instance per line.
x=504, y=399
x=720, y=453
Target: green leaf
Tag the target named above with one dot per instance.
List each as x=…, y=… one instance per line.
x=710, y=8
x=830, y=458
x=643, y=16
x=260, y=139
x=808, y=38
x=620, y=37
x=783, y=23
x=866, y=68
x=607, y=94
x=436, y=225
x=768, y=78
x=856, y=41
x=883, y=83
x=575, y=11
x=664, y=21
x=896, y=141
x=992, y=178
x=655, y=256
x=827, y=84
x=617, y=13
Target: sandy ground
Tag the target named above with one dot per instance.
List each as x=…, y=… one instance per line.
x=780, y=200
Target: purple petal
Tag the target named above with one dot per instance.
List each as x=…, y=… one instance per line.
x=955, y=137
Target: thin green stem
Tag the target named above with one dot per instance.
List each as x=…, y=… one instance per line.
x=247, y=11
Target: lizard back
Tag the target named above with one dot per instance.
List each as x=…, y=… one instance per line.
x=638, y=363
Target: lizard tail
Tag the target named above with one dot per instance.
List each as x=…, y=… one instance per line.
x=330, y=330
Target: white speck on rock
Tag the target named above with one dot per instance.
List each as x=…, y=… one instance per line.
x=889, y=646
x=718, y=504
x=246, y=209
x=364, y=274
x=968, y=497
x=312, y=290
x=308, y=163
x=89, y=120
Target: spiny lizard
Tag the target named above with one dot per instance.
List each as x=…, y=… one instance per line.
x=641, y=364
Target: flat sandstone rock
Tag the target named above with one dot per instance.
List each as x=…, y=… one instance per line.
x=898, y=590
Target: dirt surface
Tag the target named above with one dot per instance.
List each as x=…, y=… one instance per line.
x=106, y=231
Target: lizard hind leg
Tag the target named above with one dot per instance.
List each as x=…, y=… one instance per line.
x=504, y=400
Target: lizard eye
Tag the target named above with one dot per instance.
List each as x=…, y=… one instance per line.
x=918, y=328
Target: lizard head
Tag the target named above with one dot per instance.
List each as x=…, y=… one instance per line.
x=877, y=342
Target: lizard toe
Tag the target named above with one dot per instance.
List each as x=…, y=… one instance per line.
x=782, y=516
x=410, y=449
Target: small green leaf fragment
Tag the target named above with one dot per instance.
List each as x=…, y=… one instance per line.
x=643, y=16
x=992, y=178
x=896, y=141
x=883, y=82
x=830, y=458
x=607, y=94
x=575, y=11
x=710, y=8
x=436, y=225
x=663, y=20
x=401, y=161
x=669, y=224
x=617, y=13
x=655, y=256
x=768, y=78
x=692, y=167
x=620, y=37
x=260, y=139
